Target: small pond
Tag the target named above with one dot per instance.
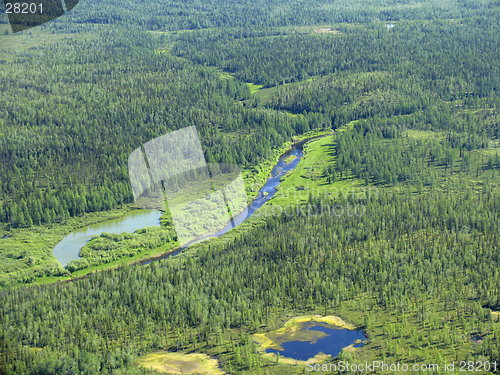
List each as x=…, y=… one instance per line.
x=335, y=339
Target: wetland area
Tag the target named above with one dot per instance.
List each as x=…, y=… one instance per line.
x=68, y=249
x=310, y=338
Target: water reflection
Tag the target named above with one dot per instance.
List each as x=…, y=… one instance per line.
x=335, y=339
x=68, y=249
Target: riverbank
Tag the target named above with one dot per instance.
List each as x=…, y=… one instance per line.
x=298, y=142
x=174, y=249
x=26, y=255
x=27, y=252
x=256, y=177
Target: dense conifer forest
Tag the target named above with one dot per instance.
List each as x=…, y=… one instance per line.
x=412, y=112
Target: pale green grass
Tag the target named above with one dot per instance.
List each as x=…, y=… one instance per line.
x=263, y=95
x=29, y=250
x=225, y=75
x=180, y=363
x=308, y=178
x=254, y=87
x=13, y=45
x=422, y=134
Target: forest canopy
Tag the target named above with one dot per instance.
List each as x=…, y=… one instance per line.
x=411, y=110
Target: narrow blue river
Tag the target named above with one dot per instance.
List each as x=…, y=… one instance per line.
x=264, y=195
x=68, y=249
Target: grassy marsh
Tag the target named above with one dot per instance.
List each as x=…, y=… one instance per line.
x=180, y=363
x=293, y=331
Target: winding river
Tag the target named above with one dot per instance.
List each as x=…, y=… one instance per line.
x=265, y=193
x=68, y=249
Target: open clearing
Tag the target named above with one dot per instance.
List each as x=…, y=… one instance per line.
x=179, y=363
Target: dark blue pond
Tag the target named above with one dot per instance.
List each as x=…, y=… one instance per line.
x=336, y=340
